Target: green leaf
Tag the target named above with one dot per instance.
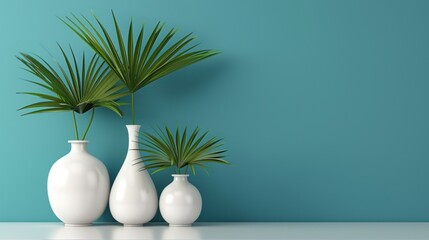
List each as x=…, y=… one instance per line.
x=144, y=62
x=167, y=150
x=76, y=87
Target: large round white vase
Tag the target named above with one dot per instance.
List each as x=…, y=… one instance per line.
x=180, y=202
x=78, y=186
x=133, y=198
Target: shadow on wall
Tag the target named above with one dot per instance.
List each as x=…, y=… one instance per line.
x=187, y=83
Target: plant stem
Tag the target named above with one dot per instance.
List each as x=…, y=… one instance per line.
x=133, y=117
x=75, y=126
x=89, y=124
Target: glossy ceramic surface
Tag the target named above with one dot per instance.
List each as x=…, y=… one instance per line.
x=133, y=197
x=78, y=186
x=180, y=202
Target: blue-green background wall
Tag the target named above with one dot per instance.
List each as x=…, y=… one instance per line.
x=323, y=106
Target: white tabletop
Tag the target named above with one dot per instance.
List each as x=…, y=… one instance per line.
x=161, y=231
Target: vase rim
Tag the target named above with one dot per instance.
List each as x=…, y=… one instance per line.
x=78, y=141
x=180, y=175
x=133, y=125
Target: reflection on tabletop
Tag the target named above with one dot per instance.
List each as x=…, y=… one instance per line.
x=120, y=232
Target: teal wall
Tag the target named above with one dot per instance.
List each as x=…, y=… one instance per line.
x=323, y=105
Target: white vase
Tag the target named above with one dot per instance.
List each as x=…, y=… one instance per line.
x=78, y=186
x=133, y=198
x=180, y=202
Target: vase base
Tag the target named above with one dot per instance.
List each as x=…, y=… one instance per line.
x=180, y=225
x=133, y=225
x=77, y=224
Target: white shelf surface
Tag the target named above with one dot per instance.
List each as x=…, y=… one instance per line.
x=226, y=230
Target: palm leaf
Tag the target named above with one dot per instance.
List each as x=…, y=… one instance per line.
x=168, y=149
x=142, y=61
x=72, y=87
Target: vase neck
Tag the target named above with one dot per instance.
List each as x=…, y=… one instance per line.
x=78, y=146
x=180, y=177
x=133, y=136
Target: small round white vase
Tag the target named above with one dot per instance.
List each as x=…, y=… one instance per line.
x=78, y=186
x=180, y=202
x=133, y=198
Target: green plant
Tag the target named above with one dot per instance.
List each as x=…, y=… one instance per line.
x=137, y=62
x=72, y=89
x=167, y=150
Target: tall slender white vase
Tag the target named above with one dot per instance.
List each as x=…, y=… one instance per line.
x=133, y=198
x=78, y=186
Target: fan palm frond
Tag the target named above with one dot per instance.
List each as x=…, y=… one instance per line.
x=76, y=88
x=142, y=61
x=177, y=150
